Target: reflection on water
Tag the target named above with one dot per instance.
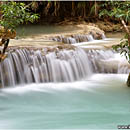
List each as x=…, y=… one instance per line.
x=28, y=30
x=115, y=35
x=32, y=30
x=100, y=102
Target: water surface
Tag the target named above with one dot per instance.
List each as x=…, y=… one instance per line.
x=33, y=30
x=100, y=102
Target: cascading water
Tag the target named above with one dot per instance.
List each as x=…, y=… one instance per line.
x=103, y=36
x=62, y=105
x=90, y=38
x=107, y=61
x=36, y=66
x=77, y=38
x=28, y=66
x=101, y=101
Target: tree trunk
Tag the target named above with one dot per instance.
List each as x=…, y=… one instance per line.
x=55, y=6
x=2, y=53
x=125, y=26
x=48, y=6
x=128, y=81
x=73, y=8
x=97, y=7
x=126, y=30
x=128, y=33
x=84, y=7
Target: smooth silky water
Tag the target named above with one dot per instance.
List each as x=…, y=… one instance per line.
x=95, y=101
x=99, y=102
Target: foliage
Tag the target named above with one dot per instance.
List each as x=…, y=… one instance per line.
x=123, y=48
x=15, y=13
x=121, y=11
x=117, y=9
x=62, y=9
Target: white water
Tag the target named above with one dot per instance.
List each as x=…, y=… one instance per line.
x=98, y=102
x=32, y=66
x=107, y=61
x=27, y=66
x=97, y=42
x=78, y=38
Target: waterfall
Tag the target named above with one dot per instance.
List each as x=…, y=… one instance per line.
x=77, y=38
x=28, y=66
x=107, y=61
x=103, y=36
x=58, y=65
x=73, y=39
x=90, y=38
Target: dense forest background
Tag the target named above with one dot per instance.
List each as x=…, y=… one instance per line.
x=57, y=11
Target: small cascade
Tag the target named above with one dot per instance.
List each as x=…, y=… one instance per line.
x=107, y=61
x=123, y=67
x=77, y=38
x=34, y=66
x=28, y=65
x=103, y=36
x=73, y=39
x=69, y=40
x=90, y=38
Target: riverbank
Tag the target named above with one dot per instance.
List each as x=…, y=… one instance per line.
x=39, y=35
x=65, y=27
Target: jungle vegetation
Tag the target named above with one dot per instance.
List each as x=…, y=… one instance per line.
x=12, y=15
x=56, y=11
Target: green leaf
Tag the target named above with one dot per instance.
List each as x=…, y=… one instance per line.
x=14, y=13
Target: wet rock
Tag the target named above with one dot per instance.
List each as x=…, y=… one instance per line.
x=44, y=49
x=109, y=26
x=96, y=35
x=88, y=33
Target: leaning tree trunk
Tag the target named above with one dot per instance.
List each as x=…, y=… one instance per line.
x=126, y=30
x=128, y=81
x=128, y=33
